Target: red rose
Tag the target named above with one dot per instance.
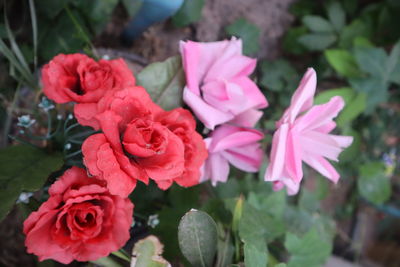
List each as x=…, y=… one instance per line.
x=142, y=141
x=130, y=102
x=79, y=78
x=181, y=122
x=80, y=221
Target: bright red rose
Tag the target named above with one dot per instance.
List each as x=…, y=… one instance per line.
x=142, y=141
x=128, y=103
x=78, y=78
x=181, y=122
x=81, y=220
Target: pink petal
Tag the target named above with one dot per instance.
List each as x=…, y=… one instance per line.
x=322, y=166
x=207, y=114
x=316, y=143
x=327, y=128
x=246, y=158
x=320, y=115
x=219, y=168
x=228, y=66
x=248, y=118
x=239, y=138
x=254, y=97
x=302, y=98
x=293, y=157
x=278, y=154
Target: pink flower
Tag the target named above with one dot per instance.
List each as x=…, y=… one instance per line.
x=235, y=145
x=305, y=137
x=218, y=88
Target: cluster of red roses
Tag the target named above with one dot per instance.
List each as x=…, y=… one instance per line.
x=87, y=217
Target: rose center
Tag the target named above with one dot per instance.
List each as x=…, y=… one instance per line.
x=145, y=138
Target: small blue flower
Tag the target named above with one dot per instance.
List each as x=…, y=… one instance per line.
x=153, y=221
x=24, y=197
x=46, y=104
x=25, y=121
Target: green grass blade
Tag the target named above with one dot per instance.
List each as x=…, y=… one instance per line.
x=34, y=31
x=14, y=45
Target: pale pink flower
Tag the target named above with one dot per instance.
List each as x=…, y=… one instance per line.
x=218, y=88
x=235, y=145
x=303, y=135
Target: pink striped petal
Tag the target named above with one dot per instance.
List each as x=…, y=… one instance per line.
x=320, y=115
x=302, y=98
x=278, y=154
x=322, y=166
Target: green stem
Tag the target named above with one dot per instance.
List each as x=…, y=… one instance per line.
x=73, y=154
x=122, y=255
x=48, y=124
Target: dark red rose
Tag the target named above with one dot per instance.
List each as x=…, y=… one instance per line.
x=81, y=220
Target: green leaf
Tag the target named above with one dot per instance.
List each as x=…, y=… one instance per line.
x=372, y=60
x=98, y=12
x=132, y=6
x=343, y=62
x=189, y=12
x=290, y=43
x=309, y=250
x=356, y=28
x=278, y=75
x=317, y=41
x=372, y=183
x=362, y=42
x=23, y=168
x=248, y=32
x=147, y=253
x=375, y=88
x=258, y=227
x=394, y=64
x=336, y=16
x=197, y=234
x=50, y=8
x=164, y=81
x=254, y=257
x=237, y=214
x=352, y=109
x=59, y=36
x=317, y=24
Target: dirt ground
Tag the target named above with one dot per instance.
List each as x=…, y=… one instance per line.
x=161, y=40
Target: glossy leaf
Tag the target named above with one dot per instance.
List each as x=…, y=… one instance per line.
x=23, y=168
x=343, y=62
x=197, y=235
x=164, y=81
